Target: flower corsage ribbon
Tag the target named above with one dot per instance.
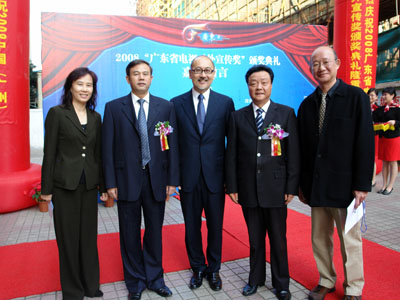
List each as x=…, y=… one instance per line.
x=275, y=133
x=163, y=129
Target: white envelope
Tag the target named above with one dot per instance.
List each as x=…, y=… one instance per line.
x=353, y=215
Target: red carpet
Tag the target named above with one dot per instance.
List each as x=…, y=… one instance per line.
x=32, y=268
x=381, y=265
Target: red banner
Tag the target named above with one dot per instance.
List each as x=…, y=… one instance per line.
x=356, y=41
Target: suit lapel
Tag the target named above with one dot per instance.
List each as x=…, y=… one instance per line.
x=73, y=117
x=188, y=107
x=90, y=121
x=211, y=110
x=154, y=107
x=249, y=114
x=128, y=110
x=270, y=115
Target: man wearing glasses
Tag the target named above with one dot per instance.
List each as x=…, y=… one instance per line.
x=202, y=117
x=337, y=160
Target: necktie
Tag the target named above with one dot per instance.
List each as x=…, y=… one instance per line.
x=201, y=113
x=144, y=139
x=259, y=119
x=322, y=110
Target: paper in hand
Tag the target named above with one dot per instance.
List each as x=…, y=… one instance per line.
x=353, y=216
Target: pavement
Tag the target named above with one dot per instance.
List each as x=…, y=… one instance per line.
x=30, y=225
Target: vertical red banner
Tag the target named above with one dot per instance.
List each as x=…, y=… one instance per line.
x=356, y=41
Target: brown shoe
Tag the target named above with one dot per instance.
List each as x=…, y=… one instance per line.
x=347, y=297
x=319, y=292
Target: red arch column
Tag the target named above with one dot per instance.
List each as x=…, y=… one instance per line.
x=355, y=41
x=17, y=174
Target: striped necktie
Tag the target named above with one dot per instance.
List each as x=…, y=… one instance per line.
x=322, y=110
x=144, y=139
x=259, y=119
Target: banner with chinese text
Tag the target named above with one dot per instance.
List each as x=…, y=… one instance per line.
x=106, y=44
x=356, y=40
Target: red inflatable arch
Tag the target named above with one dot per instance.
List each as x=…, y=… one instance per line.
x=17, y=174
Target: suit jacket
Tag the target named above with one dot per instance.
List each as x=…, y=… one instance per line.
x=259, y=178
x=202, y=152
x=341, y=159
x=69, y=150
x=122, y=156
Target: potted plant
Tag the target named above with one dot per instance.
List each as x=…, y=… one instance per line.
x=35, y=194
x=109, y=202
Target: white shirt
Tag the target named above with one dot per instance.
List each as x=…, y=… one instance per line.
x=264, y=108
x=136, y=104
x=196, y=94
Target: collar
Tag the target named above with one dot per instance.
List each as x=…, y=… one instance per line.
x=136, y=98
x=331, y=90
x=264, y=107
x=196, y=94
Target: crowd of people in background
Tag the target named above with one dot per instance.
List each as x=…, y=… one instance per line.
x=325, y=155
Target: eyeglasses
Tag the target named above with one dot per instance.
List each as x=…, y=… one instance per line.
x=326, y=64
x=206, y=71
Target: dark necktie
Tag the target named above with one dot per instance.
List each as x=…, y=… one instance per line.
x=322, y=110
x=201, y=113
x=144, y=139
x=259, y=119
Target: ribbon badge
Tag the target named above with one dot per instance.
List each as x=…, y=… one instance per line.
x=275, y=133
x=163, y=129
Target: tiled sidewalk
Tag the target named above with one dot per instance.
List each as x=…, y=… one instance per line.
x=29, y=225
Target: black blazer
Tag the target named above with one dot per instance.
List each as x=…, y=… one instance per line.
x=259, y=178
x=122, y=156
x=204, y=152
x=341, y=159
x=69, y=150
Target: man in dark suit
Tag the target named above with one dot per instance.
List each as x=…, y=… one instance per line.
x=337, y=155
x=202, y=116
x=141, y=176
x=262, y=167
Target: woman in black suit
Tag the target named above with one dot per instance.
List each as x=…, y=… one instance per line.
x=71, y=177
x=389, y=142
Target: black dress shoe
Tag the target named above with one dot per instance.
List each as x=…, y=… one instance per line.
x=381, y=191
x=215, y=281
x=284, y=295
x=386, y=192
x=197, y=280
x=163, y=291
x=135, y=296
x=250, y=289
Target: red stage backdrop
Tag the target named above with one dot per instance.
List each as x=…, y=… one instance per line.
x=356, y=41
x=106, y=44
x=16, y=173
